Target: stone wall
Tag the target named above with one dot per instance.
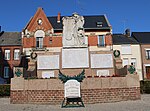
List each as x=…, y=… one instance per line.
x=93, y=90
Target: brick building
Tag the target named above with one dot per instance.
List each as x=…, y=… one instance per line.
x=96, y=28
x=130, y=52
x=10, y=50
x=43, y=37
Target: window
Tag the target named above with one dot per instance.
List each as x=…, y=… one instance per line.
x=99, y=24
x=39, y=42
x=148, y=72
x=7, y=54
x=86, y=39
x=101, y=40
x=39, y=35
x=147, y=54
x=16, y=54
x=6, y=72
x=50, y=41
x=126, y=49
x=133, y=61
x=125, y=61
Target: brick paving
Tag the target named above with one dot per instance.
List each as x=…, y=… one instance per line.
x=138, y=105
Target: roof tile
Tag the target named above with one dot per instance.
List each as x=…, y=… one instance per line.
x=10, y=38
x=123, y=39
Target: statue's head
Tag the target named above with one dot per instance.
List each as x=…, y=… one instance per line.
x=75, y=14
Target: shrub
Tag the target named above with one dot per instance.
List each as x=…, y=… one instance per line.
x=4, y=90
x=145, y=86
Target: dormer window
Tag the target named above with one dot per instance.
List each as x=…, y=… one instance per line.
x=99, y=24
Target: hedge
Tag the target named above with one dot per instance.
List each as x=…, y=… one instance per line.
x=145, y=86
x=4, y=90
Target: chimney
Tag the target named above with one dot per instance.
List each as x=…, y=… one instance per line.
x=127, y=32
x=1, y=32
x=58, y=17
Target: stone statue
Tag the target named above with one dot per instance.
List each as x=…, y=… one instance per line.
x=73, y=31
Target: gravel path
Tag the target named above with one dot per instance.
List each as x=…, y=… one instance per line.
x=138, y=105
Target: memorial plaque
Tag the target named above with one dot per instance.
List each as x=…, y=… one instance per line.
x=72, y=89
x=47, y=74
x=75, y=58
x=48, y=62
x=101, y=61
x=102, y=72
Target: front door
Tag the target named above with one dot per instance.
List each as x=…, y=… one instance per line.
x=148, y=72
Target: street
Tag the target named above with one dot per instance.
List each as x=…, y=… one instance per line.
x=138, y=105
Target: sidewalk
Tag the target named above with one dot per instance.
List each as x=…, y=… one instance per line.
x=138, y=105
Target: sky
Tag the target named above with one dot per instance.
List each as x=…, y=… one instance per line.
x=122, y=14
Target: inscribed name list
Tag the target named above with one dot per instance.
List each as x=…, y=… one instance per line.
x=48, y=62
x=72, y=89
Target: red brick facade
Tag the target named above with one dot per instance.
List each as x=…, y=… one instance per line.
x=28, y=42
x=11, y=62
x=93, y=40
x=33, y=25
x=31, y=42
x=56, y=41
x=103, y=95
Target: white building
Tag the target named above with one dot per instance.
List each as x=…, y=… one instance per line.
x=129, y=51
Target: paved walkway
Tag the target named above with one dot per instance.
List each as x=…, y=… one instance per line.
x=139, y=105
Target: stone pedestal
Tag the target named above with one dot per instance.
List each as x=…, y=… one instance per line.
x=32, y=69
x=118, y=63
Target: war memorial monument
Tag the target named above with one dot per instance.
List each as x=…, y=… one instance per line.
x=75, y=75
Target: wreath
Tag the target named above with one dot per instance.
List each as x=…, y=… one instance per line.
x=33, y=55
x=116, y=53
x=18, y=72
x=64, y=78
x=131, y=69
